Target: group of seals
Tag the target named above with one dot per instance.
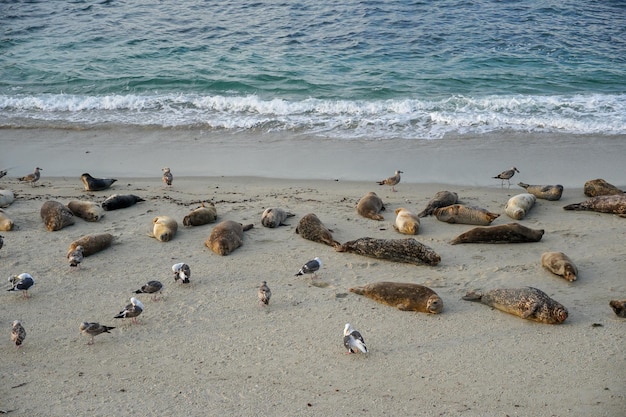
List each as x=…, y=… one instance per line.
x=202, y=215
x=614, y=204
x=545, y=192
x=403, y=296
x=226, y=236
x=559, y=264
x=407, y=222
x=274, y=216
x=441, y=199
x=518, y=206
x=504, y=233
x=56, y=216
x=96, y=184
x=86, y=210
x=164, y=228
x=406, y=250
x=310, y=227
x=458, y=213
x=370, y=205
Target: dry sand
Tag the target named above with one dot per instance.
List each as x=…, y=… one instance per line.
x=209, y=348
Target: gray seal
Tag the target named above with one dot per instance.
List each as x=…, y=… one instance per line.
x=274, y=216
x=545, y=192
x=117, y=201
x=406, y=250
x=370, y=205
x=503, y=233
x=441, y=199
x=403, y=296
x=613, y=204
x=310, y=227
x=56, y=216
x=597, y=187
x=96, y=184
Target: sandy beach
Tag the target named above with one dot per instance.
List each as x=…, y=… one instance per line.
x=210, y=348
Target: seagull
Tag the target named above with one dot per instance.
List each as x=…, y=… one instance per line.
x=393, y=181
x=167, y=176
x=507, y=175
x=352, y=340
x=310, y=267
x=132, y=310
x=93, y=330
x=152, y=287
x=32, y=178
x=18, y=334
x=264, y=293
x=21, y=282
x=182, y=272
x=76, y=256
x=3, y=173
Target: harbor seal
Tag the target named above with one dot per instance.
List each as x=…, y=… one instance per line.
x=311, y=227
x=407, y=222
x=96, y=184
x=202, y=215
x=545, y=192
x=441, y=199
x=403, y=296
x=528, y=303
x=392, y=181
x=86, y=210
x=614, y=204
x=6, y=198
x=370, y=205
x=6, y=224
x=164, y=228
x=502, y=233
x=559, y=264
x=518, y=206
x=406, y=250
x=226, y=236
x=92, y=243
x=117, y=201
x=597, y=187
x=56, y=216
x=619, y=307
x=273, y=217
x=458, y=213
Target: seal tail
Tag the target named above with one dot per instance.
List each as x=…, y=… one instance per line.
x=473, y=296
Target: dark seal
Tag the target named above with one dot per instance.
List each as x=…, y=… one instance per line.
x=117, y=201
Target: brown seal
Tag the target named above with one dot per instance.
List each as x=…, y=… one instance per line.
x=202, y=215
x=441, y=199
x=226, y=236
x=597, y=187
x=614, y=204
x=527, y=302
x=370, y=205
x=518, y=206
x=164, y=228
x=403, y=296
x=311, y=227
x=559, y=264
x=407, y=222
x=92, y=243
x=406, y=250
x=273, y=217
x=86, y=210
x=56, y=216
x=96, y=184
x=458, y=213
x=6, y=224
x=619, y=307
x=502, y=233
x=545, y=192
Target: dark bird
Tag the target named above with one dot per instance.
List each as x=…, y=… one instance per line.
x=32, y=178
x=506, y=175
x=393, y=181
x=264, y=293
x=93, y=330
x=21, y=282
x=18, y=334
x=311, y=267
x=132, y=310
x=152, y=287
x=352, y=340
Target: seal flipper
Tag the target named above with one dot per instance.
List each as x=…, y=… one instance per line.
x=530, y=311
x=473, y=296
x=247, y=226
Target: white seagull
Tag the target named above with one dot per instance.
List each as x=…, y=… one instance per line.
x=352, y=340
x=21, y=282
x=182, y=272
x=132, y=310
x=311, y=267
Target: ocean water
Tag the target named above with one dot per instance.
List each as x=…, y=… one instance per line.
x=415, y=70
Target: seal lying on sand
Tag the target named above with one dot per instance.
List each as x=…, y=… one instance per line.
x=619, y=307
x=6, y=224
x=518, y=206
x=311, y=227
x=406, y=222
x=6, y=198
x=594, y=188
x=273, y=217
x=545, y=192
x=559, y=264
x=202, y=215
x=56, y=216
x=92, y=243
x=117, y=201
x=403, y=296
x=96, y=184
x=226, y=236
x=527, y=302
x=406, y=250
x=502, y=233
x=614, y=204
x=458, y=213
x=370, y=205
x=441, y=199
x=86, y=210
x=164, y=228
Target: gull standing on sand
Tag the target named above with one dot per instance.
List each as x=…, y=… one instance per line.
x=264, y=293
x=506, y=175
x=93, y=330
x=18, y=334
x=311, y=267
x=32, y=178
x=393, y=181
x=76, y=256
x=152, y=287
x=182, y=272
x=21, y=282
x=167, y=176
x=132, y=310
x=352, y=340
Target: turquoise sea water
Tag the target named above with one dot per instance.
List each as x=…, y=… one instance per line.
x=361, y=69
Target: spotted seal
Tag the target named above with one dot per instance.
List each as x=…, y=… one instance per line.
x=6, y=224
x=92, y=243
x=527, y=302
x=370, y=205
x=202, y=215
x=407, y=222
x=311, y=227
x=559, y=264
x=518, y=206
x=597, y=187
x=56, y=216
x=441, y=199
x=406, y=250
x=459, y=213
x=402, y=295
x=613, y=204
x=274, y=216
x=96, y=184
x=164, y=228
x=502, y=233
x=117, y=201
x=545, y=192
x=226, y=236
x=86, y=210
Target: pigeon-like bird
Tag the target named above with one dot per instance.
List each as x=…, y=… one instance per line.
x=21, y=282
x=76, y=256
x=32, y=178
x=152, y=287
x=311, y=267
x=132, y=310
x=264, y=293
x=167, y=176
x=353, y=341
x=506, y=175
x=93, y=330
x=182, y=272
x=18, y=334
x=393, y=181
